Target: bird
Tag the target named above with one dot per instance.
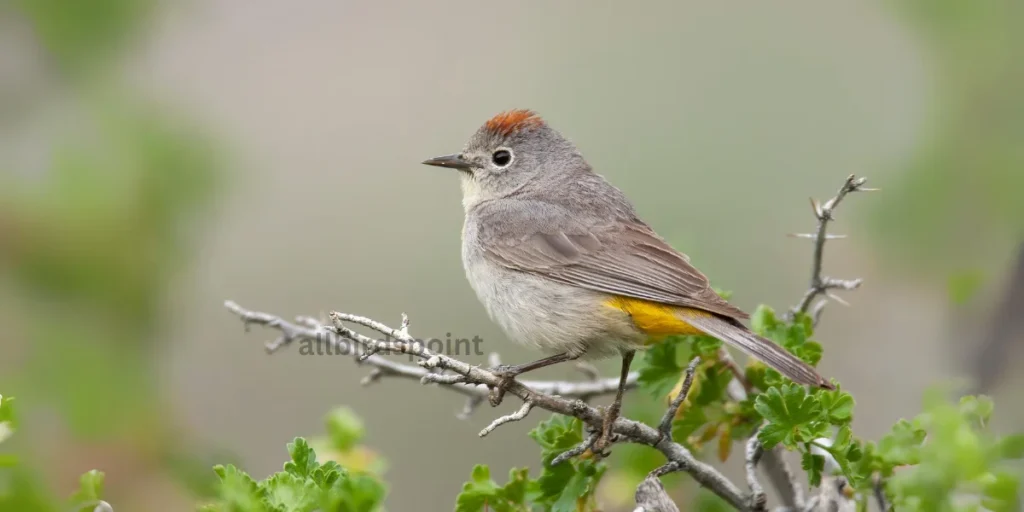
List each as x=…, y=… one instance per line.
x=562, y=262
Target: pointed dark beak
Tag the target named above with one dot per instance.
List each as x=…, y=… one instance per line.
x=450, y=161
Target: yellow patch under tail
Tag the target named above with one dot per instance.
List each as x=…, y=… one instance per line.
x=655, y=319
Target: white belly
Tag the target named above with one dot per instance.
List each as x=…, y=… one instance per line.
x=548, y=315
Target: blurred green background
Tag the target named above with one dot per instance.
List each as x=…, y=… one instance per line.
x=157, y=158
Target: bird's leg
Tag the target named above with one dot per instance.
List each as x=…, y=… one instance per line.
x=507, y=373
x=612, y=412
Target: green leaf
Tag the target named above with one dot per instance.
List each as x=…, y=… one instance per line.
x=793, y=416
x=574, y=490
x=977, y=408
x=763, y=320
x=705, y=346
x=1012, y=447
x=518, y=483
x=555, y=484
x=843, y=439
x=292, y=493
x=901, y=446
x=838, y=405
x=1000, y=492
x=810, y=352
x=237, y=490
x=303, y=461
x=344, y=428
x=814, y=465
x=355, y=492
x=714, y=383
x=90, y=491
x=684, y=427
x=481, y=493
x=325, y=475
x=659, y=369
x=556, y=435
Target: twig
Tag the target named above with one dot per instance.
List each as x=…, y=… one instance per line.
x=821, y=285
x=588, y=370
x=576, y=450
x=791, y=493
x=516, y=416
x=651, y=497
x=879, y=491
x=665, y=426
x=758, y=499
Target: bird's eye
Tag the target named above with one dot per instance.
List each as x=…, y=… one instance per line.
x=502, y=157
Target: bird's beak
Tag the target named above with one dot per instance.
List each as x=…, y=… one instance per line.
x=450, y=161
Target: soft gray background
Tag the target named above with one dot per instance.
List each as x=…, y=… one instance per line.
x=718, y=118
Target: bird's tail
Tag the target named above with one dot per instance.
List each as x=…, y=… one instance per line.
x=734, y=333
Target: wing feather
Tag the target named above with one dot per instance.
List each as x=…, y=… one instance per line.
x=624, y=258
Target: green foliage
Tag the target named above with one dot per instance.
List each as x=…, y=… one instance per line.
x=481, y=493
x=929, y=463
x=953, y=462
x=90, y=491
x=567, y=487
x=304, y=485
x=659, y=368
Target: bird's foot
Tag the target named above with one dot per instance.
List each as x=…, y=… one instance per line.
x=506, y=374
x=606, y=438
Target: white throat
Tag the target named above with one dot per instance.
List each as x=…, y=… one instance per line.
x=471, y=193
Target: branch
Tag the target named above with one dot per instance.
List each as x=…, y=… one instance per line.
x=555, y=396
x=821, y=285
x=516, y=416
x=346, y=341
x=790, y=491
x=651, y=496
x=758, y=499
x=879, y=491
x=779, y=473
x=665, y=426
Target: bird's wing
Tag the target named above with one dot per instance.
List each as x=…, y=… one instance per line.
x=622, y=257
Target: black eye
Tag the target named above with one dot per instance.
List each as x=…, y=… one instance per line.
x=502, y=157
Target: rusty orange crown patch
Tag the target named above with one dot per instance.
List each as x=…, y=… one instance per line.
x=512, y=121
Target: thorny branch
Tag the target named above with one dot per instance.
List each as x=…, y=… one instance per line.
x=569, y=398
x=822, y=285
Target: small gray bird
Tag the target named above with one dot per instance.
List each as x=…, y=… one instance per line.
x=561, y=262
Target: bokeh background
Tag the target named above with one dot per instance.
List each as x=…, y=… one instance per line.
x=158, y=157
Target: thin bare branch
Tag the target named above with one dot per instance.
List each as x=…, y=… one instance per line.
x=820, y=285
x=665, y=426
x=516, y=416
x=577, y=450
x=878, y=487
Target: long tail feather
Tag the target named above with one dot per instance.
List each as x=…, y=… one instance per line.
x=734, y=333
